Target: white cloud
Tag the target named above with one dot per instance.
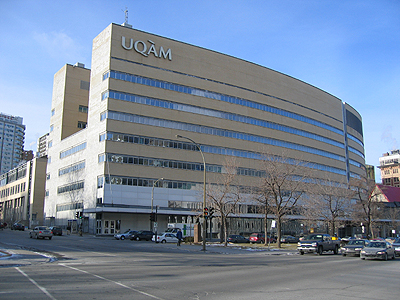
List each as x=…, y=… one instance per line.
x=58, y=44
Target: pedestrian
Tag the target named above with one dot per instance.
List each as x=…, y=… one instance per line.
x=179, y=237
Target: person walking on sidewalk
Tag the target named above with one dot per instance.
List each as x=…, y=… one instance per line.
x=179, y=237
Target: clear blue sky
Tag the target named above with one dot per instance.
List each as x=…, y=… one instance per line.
x=349, y=48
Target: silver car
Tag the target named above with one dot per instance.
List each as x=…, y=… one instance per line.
x=126, y=235
x=396, y=245
x=378, y=250
x=41, y=232
x=354, y=247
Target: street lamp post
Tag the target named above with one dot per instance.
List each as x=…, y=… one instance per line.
x=204, y=187
x=151, y=214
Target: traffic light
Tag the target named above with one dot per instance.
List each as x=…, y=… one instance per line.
x=77, y=214
x=210, y=213
x=206, y=212
x=80, y=215
x=152, y=217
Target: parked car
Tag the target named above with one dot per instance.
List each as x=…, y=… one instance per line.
x=354, y=247
x=165, y=237
x=396, y=246
x=56, y=230
x=378, y=250
x=142, y=235
x=260, y=238
x=257, y=238
x=41, y=232
x=289, y=239
x=18, y=226
x=235, y=238
x=126, y=235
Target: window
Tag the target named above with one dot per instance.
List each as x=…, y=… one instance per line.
x=82, y=124
x=83, y=109
x=85, y=85
x=51, y=128
x=53, y=111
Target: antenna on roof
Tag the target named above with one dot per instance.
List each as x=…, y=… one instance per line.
x=126, y=24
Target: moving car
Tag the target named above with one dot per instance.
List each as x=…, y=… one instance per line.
x=378, y=250
x=142, y=235
x=126, y=235
x=41, y=232
x=396, y=246
x=354, y=247
x=165, y=237
x=56, y=230
x=18, y=226
x=235, y=238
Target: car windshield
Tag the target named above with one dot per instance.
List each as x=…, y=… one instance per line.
x=377, y=245
x=314, y=237
x=356, y=242
x=42, y=228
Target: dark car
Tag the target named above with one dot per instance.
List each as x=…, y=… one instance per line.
x=235, y=238
x=354, y=247
x=289, y=239
x=56, y=230
x=143, y=235
x=18, y=226
x=396, y=246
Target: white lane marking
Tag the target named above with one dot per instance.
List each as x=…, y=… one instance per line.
x=35, y=283
x=115, y=282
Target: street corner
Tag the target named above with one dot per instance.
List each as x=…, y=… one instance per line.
x=21, y=257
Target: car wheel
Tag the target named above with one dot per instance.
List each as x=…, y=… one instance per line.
x=394, y=256
x=122, y=238
x=320, y=250
x=50, y=237
x=363, y=258
x=301, y=253
x=343, y=254
x=30, y=236
x=336, y=250
x=138, y=238
x=385, y=257
x=163, y=241
x=37, y=237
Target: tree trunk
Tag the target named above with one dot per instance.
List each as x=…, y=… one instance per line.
x=266, y=228
x=278, y=230
x=225, y=231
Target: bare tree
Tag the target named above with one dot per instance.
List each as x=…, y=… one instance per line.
x=329, y=202
x=284, y=183
x=224, y=196
x=263, y=198
x=365, y=210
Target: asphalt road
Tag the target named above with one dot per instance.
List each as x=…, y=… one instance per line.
x=88, y=267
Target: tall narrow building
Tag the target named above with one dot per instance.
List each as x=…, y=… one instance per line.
x=12, y=135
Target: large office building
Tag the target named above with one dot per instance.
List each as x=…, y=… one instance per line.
x=12, y=135
x=113, y=148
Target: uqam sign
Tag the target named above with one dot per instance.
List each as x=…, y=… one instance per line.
x=146, y=49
